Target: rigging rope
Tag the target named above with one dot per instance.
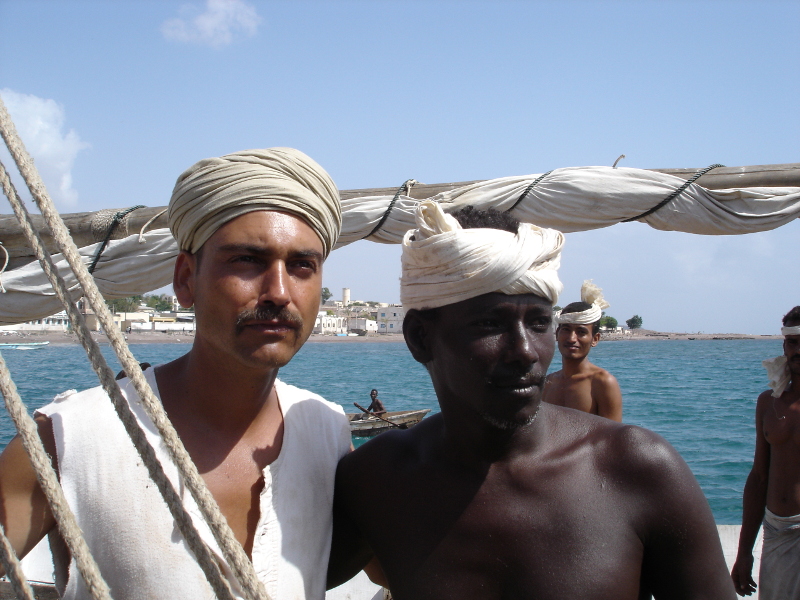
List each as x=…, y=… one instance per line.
x=232, y=551
x=13, y=569
x=118, y=218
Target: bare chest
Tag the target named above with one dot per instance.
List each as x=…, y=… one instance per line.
x=782, y=425
x=572, y=393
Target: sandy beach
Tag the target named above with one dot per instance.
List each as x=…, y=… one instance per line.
x=160, y=337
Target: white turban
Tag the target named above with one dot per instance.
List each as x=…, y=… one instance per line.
x=444, y=264
x=217, y=190
x=778, y=368
x=590, y=294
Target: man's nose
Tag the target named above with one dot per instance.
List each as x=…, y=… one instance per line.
x=275, y=285
x=522, y=348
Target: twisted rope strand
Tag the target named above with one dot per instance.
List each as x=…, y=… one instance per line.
x=13, y=569
x=232, y=550
x=155, y=469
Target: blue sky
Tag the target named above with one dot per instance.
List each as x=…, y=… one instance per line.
x=115, y=99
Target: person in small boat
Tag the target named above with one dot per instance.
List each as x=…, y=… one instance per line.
x=375, y=406
x=254, y=229
x=580, y=384
x=772, y=490
x=500, y=495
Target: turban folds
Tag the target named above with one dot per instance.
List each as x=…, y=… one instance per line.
x=444, y=264
x=778, y=368
x=217, y=190
x=590, y=294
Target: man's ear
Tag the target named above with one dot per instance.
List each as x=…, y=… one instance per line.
x=183, y=278
x=416, y=331
x=595, y=339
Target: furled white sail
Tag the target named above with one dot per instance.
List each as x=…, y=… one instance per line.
x=568, y=199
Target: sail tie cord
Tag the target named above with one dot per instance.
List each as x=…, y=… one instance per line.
x=118, y=217
x=146, y=225
x=66, y=522
x=406, y=187
x=528, y=190
x=674, y=194
x=232, y=550
x=3, y=268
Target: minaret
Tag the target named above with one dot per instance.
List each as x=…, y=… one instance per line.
x=345, y=296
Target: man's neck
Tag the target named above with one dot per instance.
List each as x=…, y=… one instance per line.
x=573, y=366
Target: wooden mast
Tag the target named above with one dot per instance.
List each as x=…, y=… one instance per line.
x=80, y=224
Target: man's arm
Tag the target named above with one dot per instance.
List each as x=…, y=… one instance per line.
x=682, y=552
x=24, y=511
x=608, y=396
x=754, y=501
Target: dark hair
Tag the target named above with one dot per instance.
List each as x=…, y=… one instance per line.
x=574, y=307
x=470, y=217
x=373, y=390
x=793, y=316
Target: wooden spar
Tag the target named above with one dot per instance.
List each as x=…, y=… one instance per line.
x=84, y=234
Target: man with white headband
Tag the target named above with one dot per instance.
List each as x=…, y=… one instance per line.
x=501, y=496
x=772, y=491
x=580, y=384
x=254, y=229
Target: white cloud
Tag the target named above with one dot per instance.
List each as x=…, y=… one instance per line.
x=216, y=26
x=40, y=125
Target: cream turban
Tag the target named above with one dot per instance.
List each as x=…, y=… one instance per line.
x=217, y=190
x=590, y=294
x=444, y=264
x=778, y=367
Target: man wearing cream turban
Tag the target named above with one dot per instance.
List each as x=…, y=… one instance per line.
x=254, y=228
x=772, y=491
x=580, y=384
x=508, y=496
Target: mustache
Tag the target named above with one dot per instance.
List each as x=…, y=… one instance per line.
x=268, y=313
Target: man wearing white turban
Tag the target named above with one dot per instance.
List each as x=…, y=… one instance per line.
x=254, y=229
x=501, y=495
x=580, y=384
x=772, y=490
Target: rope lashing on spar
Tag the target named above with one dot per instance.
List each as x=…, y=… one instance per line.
x=115, y=221
x=528, y=190
x=232, y=551
x=403, y=189
x=674, y=194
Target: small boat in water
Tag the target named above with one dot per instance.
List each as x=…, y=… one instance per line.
x=23, y=345
x=402, y=419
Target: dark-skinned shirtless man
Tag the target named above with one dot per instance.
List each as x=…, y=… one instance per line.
x=502, y=496
x=254, y=228
x=580, y=384
x=772, y=490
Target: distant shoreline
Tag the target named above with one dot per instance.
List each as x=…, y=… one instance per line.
x=160, y=337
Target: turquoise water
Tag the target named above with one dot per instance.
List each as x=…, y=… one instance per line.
x=700, y=395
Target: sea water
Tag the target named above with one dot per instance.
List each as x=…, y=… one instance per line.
x=699, y=394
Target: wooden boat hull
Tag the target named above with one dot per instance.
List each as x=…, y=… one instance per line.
x=373, y=426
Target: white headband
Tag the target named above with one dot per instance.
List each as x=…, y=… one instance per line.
x=444, y=264
x=778, y=368
x=590, y=294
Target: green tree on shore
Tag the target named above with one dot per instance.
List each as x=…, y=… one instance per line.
x=608, y=322
x=326, y=293
x=635, y=322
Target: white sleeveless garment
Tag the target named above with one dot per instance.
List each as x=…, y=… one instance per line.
x=130, y=530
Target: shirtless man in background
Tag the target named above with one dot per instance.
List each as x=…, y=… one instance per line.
x=772, y=491
x=509, y=498
x=580, y=384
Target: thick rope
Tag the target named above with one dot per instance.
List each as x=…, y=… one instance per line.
x=3, y=268
x=674, y=194
x=118, y=218
x=67, y=525
x=406, y=187
x=196, y=544
x=13, y=569
x=232, y=550
x=528, y=190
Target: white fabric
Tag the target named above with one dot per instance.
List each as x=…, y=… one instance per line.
x=790, y=330
x=444, y=264
x=569, y=199
x=779, y=574
x=131, y=533
x=778, y=374
x=590, y=294
x=217, y=190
